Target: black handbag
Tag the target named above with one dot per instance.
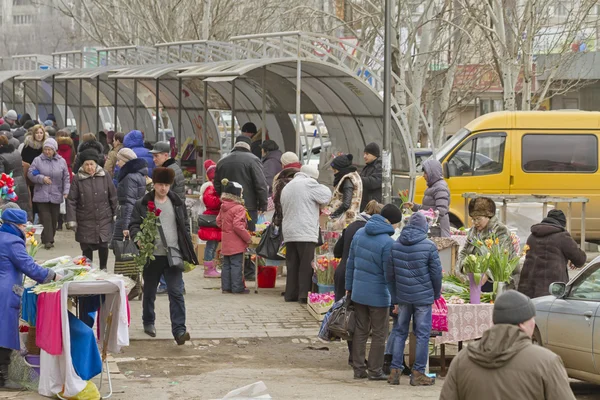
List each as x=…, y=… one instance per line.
x=174, y=256
x=270, y=242
x=125, y=250
x=207, y=221
x=342, y=320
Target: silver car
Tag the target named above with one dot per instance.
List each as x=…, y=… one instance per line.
x=568, y=323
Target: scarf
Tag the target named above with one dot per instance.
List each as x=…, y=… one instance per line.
x=13, y=229
x=342, y=173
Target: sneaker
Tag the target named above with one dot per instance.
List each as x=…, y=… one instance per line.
x=394, y=378
x=360, y=375
x=419, y=379
x=245, y=291
x=226, y=291
x=182, y=338
x=378, y=377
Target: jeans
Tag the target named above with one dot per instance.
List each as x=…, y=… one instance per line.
x=389, y=346
x=249, y=267
x=421, y=316
x=174, y=278
x=375, y=320
x=231, y=274
x=88, y=249
x=210, y=250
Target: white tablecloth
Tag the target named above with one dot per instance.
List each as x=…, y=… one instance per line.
x=466, y=322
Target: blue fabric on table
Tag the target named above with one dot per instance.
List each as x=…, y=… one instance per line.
x=29, y=307
x=84, y=350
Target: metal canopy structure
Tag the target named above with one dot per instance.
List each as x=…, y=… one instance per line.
x=265, y=79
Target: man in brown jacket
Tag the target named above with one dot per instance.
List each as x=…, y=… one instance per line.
x=504, y=364
x=111, y=159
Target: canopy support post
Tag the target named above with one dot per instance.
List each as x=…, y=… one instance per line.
x=157, y=107
x=25, y=97
x=179, y=112
x=97, y=106
x=79, y=123
x=205, y=128
x=232, y=114
x=66, y=102
x=387, y=110
x=116, y=102
x=264, y=103
x=53, y=94
x=298, y=102
x=135, y=98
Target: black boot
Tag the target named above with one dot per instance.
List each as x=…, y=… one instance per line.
x=387, y=364
x=406, y=370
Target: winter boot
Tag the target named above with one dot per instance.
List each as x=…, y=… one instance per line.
x=387, y=364
x=210, y=271
x=419, y=379
x=6, y=384
x=394, y=378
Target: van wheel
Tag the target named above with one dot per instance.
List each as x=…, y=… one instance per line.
x=455, y=222
x=537, y=337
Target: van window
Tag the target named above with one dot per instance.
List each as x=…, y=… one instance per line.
x=482, y=155
x=559, y=153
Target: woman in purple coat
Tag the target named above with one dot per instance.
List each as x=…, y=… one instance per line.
x=14, y=262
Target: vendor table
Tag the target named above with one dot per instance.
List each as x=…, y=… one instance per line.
x=58, y=371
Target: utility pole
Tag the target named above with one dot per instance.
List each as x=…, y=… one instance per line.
x=387, y=110
x=206, y=19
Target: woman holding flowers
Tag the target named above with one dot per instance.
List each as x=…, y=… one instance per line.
x=487, y=231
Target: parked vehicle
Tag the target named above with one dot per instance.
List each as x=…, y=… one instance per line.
x=526, y=152
x=568, y=323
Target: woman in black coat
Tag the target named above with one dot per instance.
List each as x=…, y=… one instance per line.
x=131, y=187
x=11, y=162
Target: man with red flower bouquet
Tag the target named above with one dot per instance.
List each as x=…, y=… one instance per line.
x=163, y=243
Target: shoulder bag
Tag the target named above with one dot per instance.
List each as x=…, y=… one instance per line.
x=342, y=320
x=174, y=255
x=207, y=221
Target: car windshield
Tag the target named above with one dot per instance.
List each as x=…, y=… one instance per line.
x=451, y=143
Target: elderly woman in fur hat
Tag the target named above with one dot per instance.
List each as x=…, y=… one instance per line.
x=485, y=225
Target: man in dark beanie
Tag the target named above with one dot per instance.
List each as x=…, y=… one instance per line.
x=371, y=175
x=249, y=130
x=551, y=250
x=173, y=238
x=505, y=364
x=243, y=167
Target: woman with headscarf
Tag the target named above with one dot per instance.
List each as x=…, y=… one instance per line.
x=436, y=196
x=291, y=166
x=347, y=195
x=210, y=234
x=551, y=249
x=92, y=206
x=11, y=163
x=14, y=263
x=52, y=181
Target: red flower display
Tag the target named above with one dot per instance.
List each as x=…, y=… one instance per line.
x=157, y=212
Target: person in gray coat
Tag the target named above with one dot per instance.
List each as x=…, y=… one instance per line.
x=271, y=160
x=11, y=139
x=162, y=158
x=436, y=196
x=92, y=205
x=11, y=163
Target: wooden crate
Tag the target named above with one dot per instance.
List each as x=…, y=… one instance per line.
x=317, y=311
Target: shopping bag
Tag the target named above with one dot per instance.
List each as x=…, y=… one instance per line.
x=270, y=242
x=342, y=320
x=63, y=207
x=261, y=220
x=324, y=333
x=125, y=250
x=439, y=315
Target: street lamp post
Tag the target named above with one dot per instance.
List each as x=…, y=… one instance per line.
x=387, y=93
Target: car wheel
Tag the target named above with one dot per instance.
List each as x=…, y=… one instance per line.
x=537, y=337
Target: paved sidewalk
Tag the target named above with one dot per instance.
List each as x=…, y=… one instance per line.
x=211, y=314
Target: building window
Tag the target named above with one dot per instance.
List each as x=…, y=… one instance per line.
x=559, y=153
x=21, y=2
x=22, y=19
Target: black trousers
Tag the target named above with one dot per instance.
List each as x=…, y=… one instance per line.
x=5, y=356
x=373, y=319
x=48, y=213
x=298, y=259
x=88, y=249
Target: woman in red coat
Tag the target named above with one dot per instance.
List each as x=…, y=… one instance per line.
x=212, y=235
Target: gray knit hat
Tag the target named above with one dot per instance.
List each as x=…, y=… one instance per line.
x=513, y=308
x=126, y=155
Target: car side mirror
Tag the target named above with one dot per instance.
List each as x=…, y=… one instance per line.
x=446, y=170
x=558, y=289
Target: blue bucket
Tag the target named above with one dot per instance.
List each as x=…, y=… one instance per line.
x=325, y=288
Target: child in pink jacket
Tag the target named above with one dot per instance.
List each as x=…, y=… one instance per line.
x=233, y=221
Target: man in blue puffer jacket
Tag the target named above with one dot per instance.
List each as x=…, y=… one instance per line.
x=134, y=140
x=366, y=272
x=415, y=276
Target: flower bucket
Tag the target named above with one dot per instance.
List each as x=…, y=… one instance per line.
x=266, y=277
x=34, y=362
x=325, y=288
x=474, y=290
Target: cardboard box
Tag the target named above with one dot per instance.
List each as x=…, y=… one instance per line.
x=200, y=250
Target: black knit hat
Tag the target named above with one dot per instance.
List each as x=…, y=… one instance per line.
x=232, y=188
x=269, y=145
x=249, y=127
x=163, y=175
x=373, y=149
x=558, y=216
x=392, y=213
x=341, y=162
x=5, y=127
x=244, y=139
x=512, y=308
x=89, y=154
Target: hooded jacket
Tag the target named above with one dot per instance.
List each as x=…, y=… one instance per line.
x=415, y=272
x=90, y=145
x=342, y=251
x=19, y=134
x=134, y=140
x=56, y=169
x=550, y=249
x=437, y=194
x=372, y=178
x=67, y=151
x=281, y=180
x=366, y=270
x=504, y=364
x=243, y=167
x=14, y=262
x=300, y=202
x=131, y=187
x=179, y=185
x=11, y=162
x=92, y=205
x=31, y=148
x=272, y=166
x=233, y=221
x=211, y=200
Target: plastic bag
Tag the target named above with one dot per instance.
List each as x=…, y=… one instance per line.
x=439, y=316
x=63, y=207
x=89, y=393
x=253, y=391
x=261, y=220
x=270, y=243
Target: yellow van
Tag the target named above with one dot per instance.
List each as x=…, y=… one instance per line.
x=551, y=153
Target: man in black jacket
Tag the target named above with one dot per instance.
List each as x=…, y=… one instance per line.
x=245, y=168
x=174, y=232
x=371, y=175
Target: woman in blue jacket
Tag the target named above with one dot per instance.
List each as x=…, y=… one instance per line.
x=14, y=262
x=367, y=285
x=415, y=277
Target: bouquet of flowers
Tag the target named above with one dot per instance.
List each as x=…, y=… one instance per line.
x=325, y=269
x=404, y=195
x=476, y=265
x=33, y=244
x=147, y=235
x=501, y=261
x=321, y=299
